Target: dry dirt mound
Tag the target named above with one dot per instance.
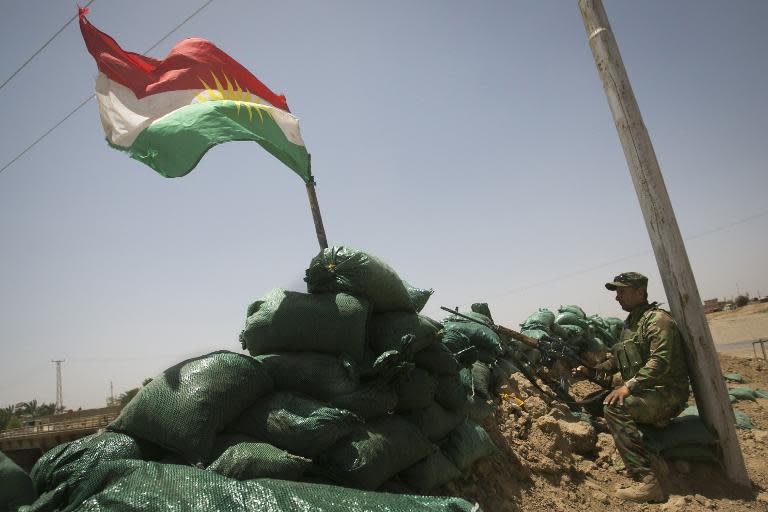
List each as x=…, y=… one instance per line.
x=551, y=461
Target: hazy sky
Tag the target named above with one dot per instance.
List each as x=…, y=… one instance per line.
x=468, y=144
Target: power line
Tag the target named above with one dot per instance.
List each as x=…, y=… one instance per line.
x=89, y=98
x=562, y=277
x=42, y=47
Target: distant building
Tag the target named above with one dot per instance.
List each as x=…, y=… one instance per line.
x=712, y=305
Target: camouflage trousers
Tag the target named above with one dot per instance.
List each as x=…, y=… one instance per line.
x=649, y=407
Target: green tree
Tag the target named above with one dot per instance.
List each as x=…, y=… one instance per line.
x=126, y=397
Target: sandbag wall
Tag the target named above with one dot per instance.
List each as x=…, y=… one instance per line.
x=400, y=394
x=347, y=385
x=591, y=336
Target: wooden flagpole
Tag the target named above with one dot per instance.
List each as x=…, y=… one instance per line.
x=671, y=256
x=315, y=207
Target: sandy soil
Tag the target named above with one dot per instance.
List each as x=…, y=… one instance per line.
x=553, y=462
x=734, y=331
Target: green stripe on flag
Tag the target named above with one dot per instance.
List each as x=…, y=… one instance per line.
x=174, y=144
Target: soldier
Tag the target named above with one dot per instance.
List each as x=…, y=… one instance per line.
x=649, y=356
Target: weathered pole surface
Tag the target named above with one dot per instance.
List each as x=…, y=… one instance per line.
x=671, y=257
x=315, y=207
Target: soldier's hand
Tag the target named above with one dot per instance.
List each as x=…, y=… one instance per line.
x=617, y=396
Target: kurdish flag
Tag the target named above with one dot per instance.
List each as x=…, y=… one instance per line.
x=168, y=113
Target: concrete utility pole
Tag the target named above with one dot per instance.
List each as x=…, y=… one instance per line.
x=671, y=256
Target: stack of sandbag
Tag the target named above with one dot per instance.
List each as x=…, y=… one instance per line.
x=589, y=336
x=345, y=385
x=402, y=385
x=178, y=444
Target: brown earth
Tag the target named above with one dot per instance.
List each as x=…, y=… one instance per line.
x=550, y=461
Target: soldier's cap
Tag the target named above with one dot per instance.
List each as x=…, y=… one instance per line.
x=632, y=279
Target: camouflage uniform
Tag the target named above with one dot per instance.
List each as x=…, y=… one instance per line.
x=650, y=358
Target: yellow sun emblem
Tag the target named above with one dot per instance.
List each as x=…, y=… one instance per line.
x=233, y=93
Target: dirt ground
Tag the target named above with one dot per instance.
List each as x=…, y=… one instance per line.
x=551, y=461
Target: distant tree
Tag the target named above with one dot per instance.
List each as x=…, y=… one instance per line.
x=146, y=381
x=126, y=397
x=27, y=408
x=741, y=301
x=46, y=409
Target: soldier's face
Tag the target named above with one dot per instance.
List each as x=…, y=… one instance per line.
x=629, y=298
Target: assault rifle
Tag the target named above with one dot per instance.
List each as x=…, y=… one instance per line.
x=552, y=349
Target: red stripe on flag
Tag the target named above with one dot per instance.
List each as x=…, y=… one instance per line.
x=189, y=62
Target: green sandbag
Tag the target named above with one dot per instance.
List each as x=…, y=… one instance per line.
x=386, y=330
x=468, y=443
x=502, y=370
x=743, y=393
x=615, y=326
x=486, y=341
x=542, y=319
x=129, y=486
x=435, y=421
x=183, y=408
x=63, y=467
x=733, y=377
x=450, y=392
x=569, y=318
x=370, y=400
x=483, y=309
x=437, y=359
x=316, y=375
x=376, y=452
x=683, y=430
x=248, y=460
x=742, y=420
x=285, y=321
x=15, y=485
x=418, y=296
x=415, y=390
x=478, y=408
x=597, y=345
x=573, y=309
x=430, y=473
x=295, y=423
x=344, y=269
x=481, y=383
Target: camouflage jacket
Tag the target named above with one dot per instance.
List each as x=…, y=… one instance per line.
x=650, y=352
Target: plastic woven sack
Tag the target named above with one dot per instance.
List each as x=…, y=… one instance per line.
x=419, y=296
x=248, y=460
x=133, y=485
x=482, y=383
x=743, y=393
x=316, y=375
x=295, y=423
x=344, y=269
x=542, y=319
x=415, y=390
x=733, y=377
x=61, y=468
x=183, y=408
x=386, y=331
x=377, y=452
x=435, y=421
x=285, y=321
x=437, y=359
x=15, y=485
x=480, y=336
x=370, y=400
x=483, y=309
x=568, y=318
x=502, y=370
x=450, y=392
x=468, y=443
x=430, y=473
x=574, y=309
x=686, y=437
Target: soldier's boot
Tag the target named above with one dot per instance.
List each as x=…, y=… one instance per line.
x=646, y=491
